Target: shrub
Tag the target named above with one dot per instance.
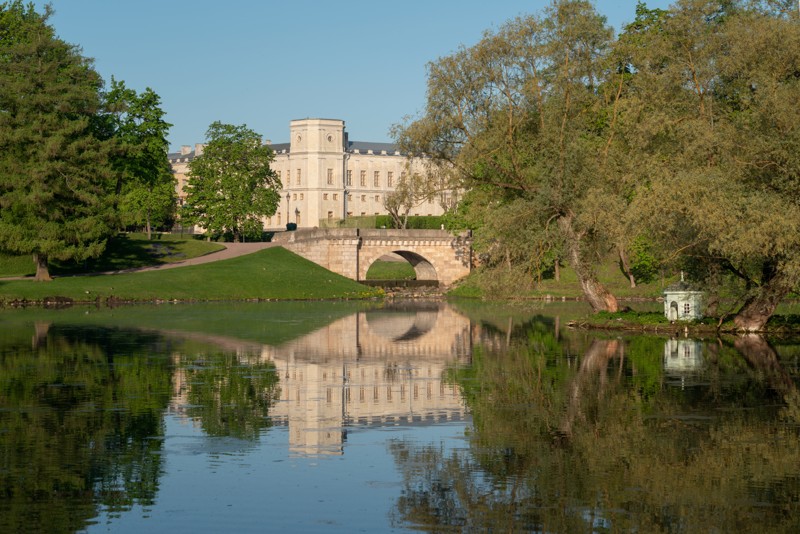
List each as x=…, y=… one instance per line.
x=415, y=222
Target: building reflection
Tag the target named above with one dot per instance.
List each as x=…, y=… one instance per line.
x=683, y=355
x=380, y=367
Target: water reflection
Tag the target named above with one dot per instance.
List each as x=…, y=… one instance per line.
x=602, y=441
x=567, y=430
x=80, y=413
x=378, y=367
x=683, y=355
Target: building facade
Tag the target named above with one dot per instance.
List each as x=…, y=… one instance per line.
x=326, y=177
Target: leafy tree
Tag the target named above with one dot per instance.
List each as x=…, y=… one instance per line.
x=144, y=180
x=712, y=116
x=56, y=181
x=415, y=188
x=231, y=186
x=527, y=116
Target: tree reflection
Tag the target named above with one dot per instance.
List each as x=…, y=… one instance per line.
x=229, y=397
x=77, y=406
x=602, y=442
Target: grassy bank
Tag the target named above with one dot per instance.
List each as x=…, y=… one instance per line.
x=124, y=251
x=271, y=274
x=495, y=284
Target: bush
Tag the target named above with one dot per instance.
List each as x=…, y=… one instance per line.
x=291, y=227
x=383, y=221
x=415, y=222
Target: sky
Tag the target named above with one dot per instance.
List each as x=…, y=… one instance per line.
x=263, y=63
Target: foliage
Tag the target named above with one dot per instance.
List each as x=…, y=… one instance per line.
x=57, y=188
x=515, y=282
x=413, y=222
x=231, y=186
x=644, y=263
x=144, y=178
x=415, y=188
x=526, y=119
x=711, y=111
x=124, y=251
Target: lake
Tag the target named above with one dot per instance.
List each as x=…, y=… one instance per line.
x=408, y=416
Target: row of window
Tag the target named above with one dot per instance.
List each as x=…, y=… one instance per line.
x=350, y=197
x=376, y=178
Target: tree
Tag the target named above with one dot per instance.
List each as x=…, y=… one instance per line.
x=145, y=184
x=56, y=187
x=527, y=116
x=231, y=186
x=714, y=123
x=413, y=188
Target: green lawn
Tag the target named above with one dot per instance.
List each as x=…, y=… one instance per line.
x=273, y=273
x=609, y=274
x=391, y=270
x=124, y=251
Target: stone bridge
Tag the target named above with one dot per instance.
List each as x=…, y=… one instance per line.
x=434, y=254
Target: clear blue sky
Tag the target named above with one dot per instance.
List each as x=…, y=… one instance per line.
x=264, y=62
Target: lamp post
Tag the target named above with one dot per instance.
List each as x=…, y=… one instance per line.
x=287, y=207
x=344, y=213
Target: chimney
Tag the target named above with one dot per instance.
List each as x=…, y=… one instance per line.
x=198, y=149
x=185, y=149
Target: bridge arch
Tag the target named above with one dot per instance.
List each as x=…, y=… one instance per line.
x=422, y=267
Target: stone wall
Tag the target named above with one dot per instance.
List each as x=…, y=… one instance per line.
x=434, y=254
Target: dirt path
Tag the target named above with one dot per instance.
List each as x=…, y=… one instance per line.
x=231, y=250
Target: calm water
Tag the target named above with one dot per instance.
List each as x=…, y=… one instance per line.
x=343, y=417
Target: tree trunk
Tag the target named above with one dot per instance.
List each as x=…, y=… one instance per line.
x=147, y=227
x=557, y=269
x=592, y=372
x=600, y=298
x=626, y=267
x=42, y=271
x=757, y=309
x=760, y=355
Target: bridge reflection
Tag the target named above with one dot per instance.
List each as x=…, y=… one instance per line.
x=382, y=367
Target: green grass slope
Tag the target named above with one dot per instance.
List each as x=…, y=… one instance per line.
x=271, y=274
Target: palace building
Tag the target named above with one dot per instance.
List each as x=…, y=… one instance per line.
x=325, y=176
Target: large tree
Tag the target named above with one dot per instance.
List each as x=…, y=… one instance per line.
x=231, y=186
x=713, y=120
x=527, y=117
x=145, y=184
x=55, y=180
